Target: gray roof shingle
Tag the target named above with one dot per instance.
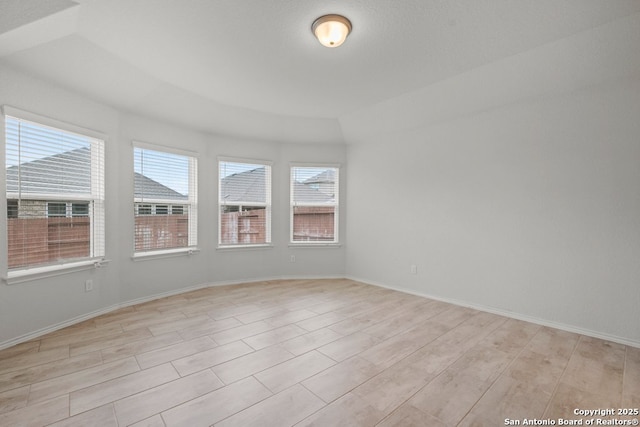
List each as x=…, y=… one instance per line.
x=305, y=194
x=326, y=177
x=150, y=189
x=67, y=172
x=70, y=171
x=248, y=186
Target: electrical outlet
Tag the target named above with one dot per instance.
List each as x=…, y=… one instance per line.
x=292, y=259
x=414, y=269
x=88, y=285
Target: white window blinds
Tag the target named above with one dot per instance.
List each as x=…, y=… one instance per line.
x=165, y=199
x=245, y=203
x=314, y=204
x=55, y=195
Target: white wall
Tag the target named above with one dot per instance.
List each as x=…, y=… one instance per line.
x=531, y=209
x=27, y=309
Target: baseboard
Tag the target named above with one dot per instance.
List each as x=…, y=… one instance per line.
x=81, y=318
x=219, y=283
x=506, y=313
x=40, y=332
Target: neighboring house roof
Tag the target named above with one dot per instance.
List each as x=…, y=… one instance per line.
x=305, y=194
x=326, y=177
x=145, y=187
x=69, y=173
x=248, y=187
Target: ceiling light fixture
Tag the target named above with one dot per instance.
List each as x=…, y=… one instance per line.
x=331, y=30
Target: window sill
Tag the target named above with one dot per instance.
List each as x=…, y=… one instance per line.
x=245, y=247
x=314, y=245
x=35, y=273
x=167, y=253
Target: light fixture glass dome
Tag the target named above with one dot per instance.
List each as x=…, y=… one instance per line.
x=331, y=30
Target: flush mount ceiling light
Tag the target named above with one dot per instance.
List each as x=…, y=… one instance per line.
x=331, y=30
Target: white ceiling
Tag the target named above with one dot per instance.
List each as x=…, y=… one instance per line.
x=252, y=68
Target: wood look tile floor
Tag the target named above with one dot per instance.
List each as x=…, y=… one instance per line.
x=309, y=353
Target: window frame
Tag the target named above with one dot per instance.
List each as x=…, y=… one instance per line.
x=68, y=208
x=292, y=204
x=62, y=206
x=12, y=208
x=96, y=200
x=267, y=205
x=190, y=205
x=71, y=209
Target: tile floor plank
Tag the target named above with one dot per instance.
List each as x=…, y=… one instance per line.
x=73, y=335
x=155, y=421
x=209, y=327
x=241, y=332
x=153, y=320
x=140, y=346
x=49, y=370
x=631, y=385
x=310, y=341
x=217, y=405
x=28, y=360
x=252, y=363
x=349, y=410
x=155, y=400
x=118, y=388
x=174, y=352
x=96, y=344
x=320, y=321
x=206, y=359
x=290, y=317
x=597, y=365
x=409, y=416
x=81, y=379
x=177, y=324
x=283, y=409
x=20, y=349
x=38, y=415
x=348, y=346
x=14, y=399
x=288, y=373
x=341, y=378
x=103, y=416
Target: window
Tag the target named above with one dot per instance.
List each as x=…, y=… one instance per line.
x=155, y=209
x=12, y=209
x=79, y=209
x=56, y=209
x=314, y=204
x=245, y=203
x=67, y=209
x=165, y=198
x=55, y=192
x=162, y=210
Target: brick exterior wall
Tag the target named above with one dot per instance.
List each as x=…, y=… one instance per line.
x=313, y=224
x=33, y=241
x=310, y=224
x=243, y=228
x=52, y=239
x=154, y=232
